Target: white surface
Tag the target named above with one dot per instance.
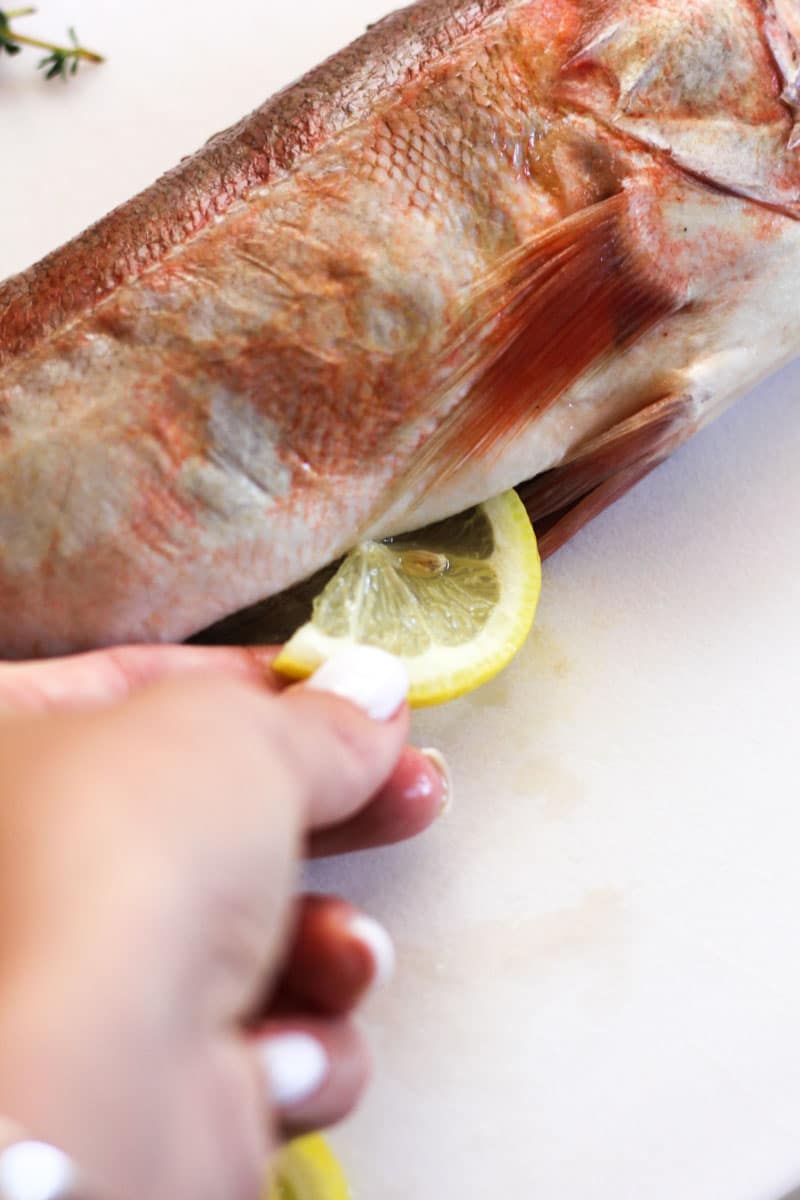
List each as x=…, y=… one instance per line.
x=599, y=973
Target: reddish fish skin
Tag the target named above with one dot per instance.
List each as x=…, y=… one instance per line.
x=258, y=150
x=458, y=254
x=101, y=593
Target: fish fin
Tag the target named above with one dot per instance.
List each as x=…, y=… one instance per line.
x=551, y=311
x=562, y=500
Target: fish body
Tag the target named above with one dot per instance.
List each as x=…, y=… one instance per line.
x=493, y=241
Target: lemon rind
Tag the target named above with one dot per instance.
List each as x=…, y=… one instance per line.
x=310, y=1170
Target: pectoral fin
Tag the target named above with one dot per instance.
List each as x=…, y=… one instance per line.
x=561, y=501
x=551, y=311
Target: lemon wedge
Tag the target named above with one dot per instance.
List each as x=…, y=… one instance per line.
x=308, y=1170
x=455, y=601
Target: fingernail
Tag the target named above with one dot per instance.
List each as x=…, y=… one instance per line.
x=296, y=1065
x=380, y=946
x=442, y=768
x=373, y=680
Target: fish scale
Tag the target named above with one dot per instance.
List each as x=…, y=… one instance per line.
x=491, y=243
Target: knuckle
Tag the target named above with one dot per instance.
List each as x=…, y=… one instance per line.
x=342, y=737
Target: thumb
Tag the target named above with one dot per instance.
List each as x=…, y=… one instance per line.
x=344, y=730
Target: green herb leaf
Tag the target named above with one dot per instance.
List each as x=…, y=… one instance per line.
x=60, y=61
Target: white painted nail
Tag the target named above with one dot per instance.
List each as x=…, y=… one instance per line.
x=296, y=1065
x=438, y=760
x=380, y=946
x=36, y=1171
x=370, y=678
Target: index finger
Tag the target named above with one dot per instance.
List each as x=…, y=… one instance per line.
x=337, y=752
x=113, y=675
x=416, y=794
x=367, y=788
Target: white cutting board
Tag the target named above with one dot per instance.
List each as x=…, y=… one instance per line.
x=599, y=969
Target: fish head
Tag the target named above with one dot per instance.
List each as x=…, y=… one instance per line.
x=710, y=86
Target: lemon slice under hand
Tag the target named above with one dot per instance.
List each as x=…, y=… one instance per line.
x=454, y=601
x=308, y=1170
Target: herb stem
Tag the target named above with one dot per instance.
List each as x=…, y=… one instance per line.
x=78, y=52
x=59, y=61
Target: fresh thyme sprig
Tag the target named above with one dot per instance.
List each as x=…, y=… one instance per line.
x=59, y=61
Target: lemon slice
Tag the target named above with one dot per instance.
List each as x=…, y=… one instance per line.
x=454, y=601
x=308, y=1170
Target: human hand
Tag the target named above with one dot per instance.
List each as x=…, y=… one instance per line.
x=153, y=806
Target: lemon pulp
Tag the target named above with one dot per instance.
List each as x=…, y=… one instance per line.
x=308, y=1170
x=455, y=601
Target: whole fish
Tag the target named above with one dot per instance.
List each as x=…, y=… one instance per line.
x=493, y=241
